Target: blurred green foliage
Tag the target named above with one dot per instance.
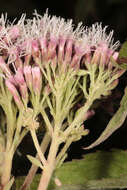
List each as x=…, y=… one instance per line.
x=99, y=170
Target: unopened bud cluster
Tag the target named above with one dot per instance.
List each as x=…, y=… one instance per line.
x=28, y=43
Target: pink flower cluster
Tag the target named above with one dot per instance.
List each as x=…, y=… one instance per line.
x=47, y=39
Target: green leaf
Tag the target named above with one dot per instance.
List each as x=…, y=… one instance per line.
x=122, y=59
x=109, y=183
x=35, y=161
x=9, y=184
x=123, y=50
x=71, y=187
x=91, y=172
x=115, y=123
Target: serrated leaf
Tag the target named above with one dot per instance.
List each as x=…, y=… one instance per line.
x=35, y=161
x=115, y=123
x=9, y=184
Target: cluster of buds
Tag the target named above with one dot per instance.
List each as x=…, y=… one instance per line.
x=25, y=78
x=28, y=43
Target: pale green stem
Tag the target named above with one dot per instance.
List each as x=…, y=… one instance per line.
x=37, y=146
x=49, y=168
x=33, y=169
x=10, y=126
x=9, y=151
x=7, y=165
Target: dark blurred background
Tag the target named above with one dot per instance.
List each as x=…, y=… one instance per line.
x=110, y=12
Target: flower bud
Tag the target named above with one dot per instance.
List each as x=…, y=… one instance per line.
x=19, y=77
x=52, y=48
x=68, y=54
x=14, y=93
x=28, y=76
x=37, y=79
x=23, y=91
x=76, y=58
x=96, y=57
x=43, y=44
x=89, y=114
x=115, y=55
x=35, y=46
x=61, y=49
x=47, y=90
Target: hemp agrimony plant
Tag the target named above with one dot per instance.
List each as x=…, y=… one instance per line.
x=51, y=74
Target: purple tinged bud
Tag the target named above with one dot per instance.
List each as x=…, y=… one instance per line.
x=14, y=93
x=75, y=62
x=12, y=80
x=54, y=62
x=35, y=46
x=77, y=58
x=105, y=54
x=28, y=76
x=18, y=63
x=13, y=54
x=23, y=91
x=43, y=44
x=19, y=77
x=96, y=56
x=37, y=79
x=68, y=54
x=27, y=59
x=47, y=90
x=89, y=114
x=61, y=49
x=115, y=55
x=52, y=48
x=36, y=51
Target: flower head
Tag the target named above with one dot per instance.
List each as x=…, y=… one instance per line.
x=44, y=39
